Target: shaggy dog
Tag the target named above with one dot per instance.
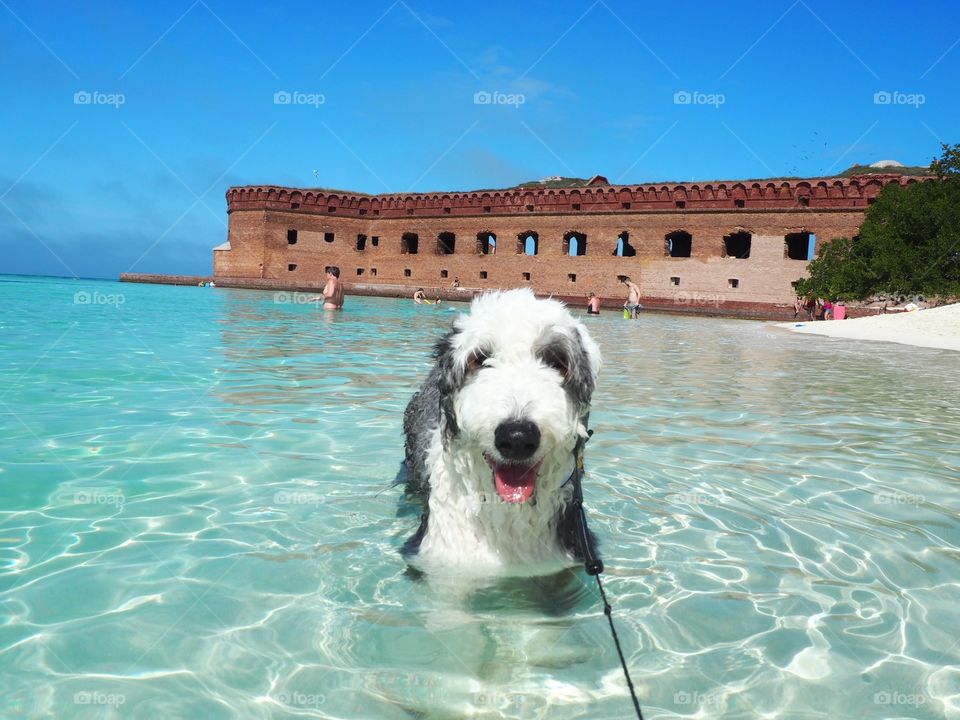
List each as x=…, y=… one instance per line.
x=491, y=439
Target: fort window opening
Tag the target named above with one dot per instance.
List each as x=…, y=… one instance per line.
x=574, y=244
x=375, y=240
x=294, y=206
x=575, y=206
x=529, y=208
x=737, y=245
x=331, y=208
x=804, y=201
x=291, y=267
x=446, y=243
x=739, y=203
x=486, y=243
x=444, y=273
x=409, y=244
x=328, y=237
x=528, y=243
x=361, y=242
x=572, y=277
x=681, y=204
x=407, y=272
x=733, y=282
x=359, y=271
x=483, y=274
x=446, y=211
x=798, y=246
x=624, y=248
x=291, y=237
x=679, y=243
x=674, y=281
x=373, y=272
x=486, y=208
x=526, y=276
x=625, y=206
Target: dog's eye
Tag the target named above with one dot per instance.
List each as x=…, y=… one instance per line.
x=558, y=361
x=476, y=360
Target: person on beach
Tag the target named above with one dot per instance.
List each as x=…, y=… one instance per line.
x=419, y=296
x=827, y=310
x=632, y=303
x=333, y=290
x=593, y=305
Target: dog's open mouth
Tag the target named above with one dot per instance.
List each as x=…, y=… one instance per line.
x=515, y=482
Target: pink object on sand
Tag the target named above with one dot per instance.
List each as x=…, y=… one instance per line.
x=839, y=312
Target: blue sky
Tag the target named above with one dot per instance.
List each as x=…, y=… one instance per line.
x=177, y=102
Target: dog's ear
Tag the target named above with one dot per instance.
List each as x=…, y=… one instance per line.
x=584, y=366
x=449, y=380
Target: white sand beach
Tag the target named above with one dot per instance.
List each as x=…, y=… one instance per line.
x=934, y=327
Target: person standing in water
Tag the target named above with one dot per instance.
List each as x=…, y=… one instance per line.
x=593, y=305
x=632, y=303
x=333, y=290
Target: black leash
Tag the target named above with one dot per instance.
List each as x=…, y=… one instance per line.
x=593, y=564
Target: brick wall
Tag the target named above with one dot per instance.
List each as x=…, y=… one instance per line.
x=328, y=224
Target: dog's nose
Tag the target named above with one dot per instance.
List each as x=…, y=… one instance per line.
x=517, y=439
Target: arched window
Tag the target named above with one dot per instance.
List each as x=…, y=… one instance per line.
x=679, y=243
x=409, y=243
x=575, y=244
x=486, y=243
x=737, y=245
x=446, y=243
x=624, y=248
x=528, y=243
x=799, y=246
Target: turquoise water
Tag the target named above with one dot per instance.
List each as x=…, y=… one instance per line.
x=196, y=521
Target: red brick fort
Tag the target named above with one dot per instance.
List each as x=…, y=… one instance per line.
x=726, y=247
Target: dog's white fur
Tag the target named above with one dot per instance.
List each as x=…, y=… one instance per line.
x=470, y=528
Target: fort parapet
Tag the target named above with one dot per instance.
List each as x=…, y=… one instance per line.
x=717, y=247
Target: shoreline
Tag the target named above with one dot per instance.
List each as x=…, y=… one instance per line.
x=695, y=304
x=932, y=328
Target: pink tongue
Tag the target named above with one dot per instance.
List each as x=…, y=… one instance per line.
x=515, y=483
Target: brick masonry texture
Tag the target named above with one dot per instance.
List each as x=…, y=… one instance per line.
x=364, y=236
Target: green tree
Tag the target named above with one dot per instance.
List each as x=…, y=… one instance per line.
x=909, y=242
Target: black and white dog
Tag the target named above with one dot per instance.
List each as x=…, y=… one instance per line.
x=490, y=439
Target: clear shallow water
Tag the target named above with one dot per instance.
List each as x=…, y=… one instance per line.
x=196, y=521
